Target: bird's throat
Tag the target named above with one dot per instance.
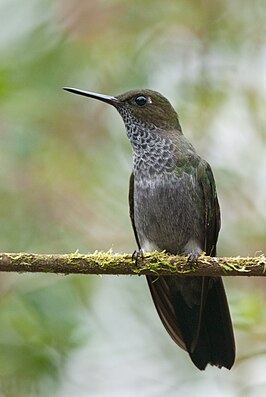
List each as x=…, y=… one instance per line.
x=152, y=153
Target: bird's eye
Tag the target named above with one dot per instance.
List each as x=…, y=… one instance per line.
x=141, y=100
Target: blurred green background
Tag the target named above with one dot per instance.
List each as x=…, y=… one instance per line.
x=64, y=168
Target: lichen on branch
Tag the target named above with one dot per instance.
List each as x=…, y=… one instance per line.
x=156, y=263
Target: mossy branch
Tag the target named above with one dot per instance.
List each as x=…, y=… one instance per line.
x=156, y=263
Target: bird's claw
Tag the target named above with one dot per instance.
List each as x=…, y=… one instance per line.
x=137, y=254
x=192, y=259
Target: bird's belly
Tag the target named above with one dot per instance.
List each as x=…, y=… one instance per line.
x=169, y=216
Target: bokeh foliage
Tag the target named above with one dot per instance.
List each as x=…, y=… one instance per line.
x=64, y=169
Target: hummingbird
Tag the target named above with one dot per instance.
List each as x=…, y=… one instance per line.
x=174, y=207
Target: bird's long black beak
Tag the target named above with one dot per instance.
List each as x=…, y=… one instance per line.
x=104, y=98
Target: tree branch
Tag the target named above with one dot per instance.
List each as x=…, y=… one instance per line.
x=156, y=263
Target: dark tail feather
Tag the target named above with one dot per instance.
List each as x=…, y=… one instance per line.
x=219, y=326
x=203, y=329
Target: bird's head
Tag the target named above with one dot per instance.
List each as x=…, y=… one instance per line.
x=142, y=107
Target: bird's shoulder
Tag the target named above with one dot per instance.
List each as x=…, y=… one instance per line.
x=187, y=163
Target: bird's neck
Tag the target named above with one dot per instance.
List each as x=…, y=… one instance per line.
x=153, y=156
x=155, y=151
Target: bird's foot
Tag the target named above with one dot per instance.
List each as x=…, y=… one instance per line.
x=192, y=259
x=137, y=255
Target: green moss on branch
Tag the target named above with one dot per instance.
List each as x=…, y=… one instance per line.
x=157, y=263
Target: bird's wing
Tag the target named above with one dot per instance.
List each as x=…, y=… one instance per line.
x=211, y=226
x=131, y=207
x=212, y=221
